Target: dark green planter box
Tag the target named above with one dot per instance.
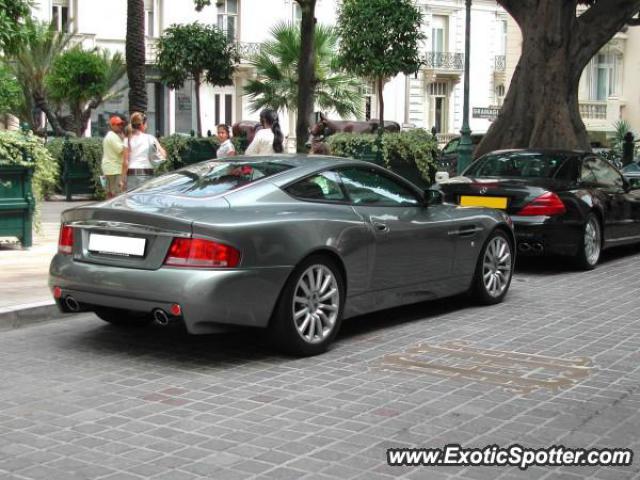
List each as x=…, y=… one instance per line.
x=199, y=152
x=76, y=175
x=16, y=203
x=410, y=172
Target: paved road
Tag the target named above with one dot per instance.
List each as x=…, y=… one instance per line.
x=558, y=363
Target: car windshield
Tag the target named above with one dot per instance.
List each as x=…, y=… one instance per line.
x=212, y=178
x=517, y=164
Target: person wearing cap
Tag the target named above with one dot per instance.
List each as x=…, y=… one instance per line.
x=113, y=151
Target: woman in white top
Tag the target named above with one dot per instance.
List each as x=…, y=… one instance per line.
x=226, y=148
x=137, y=167
x=268, y=140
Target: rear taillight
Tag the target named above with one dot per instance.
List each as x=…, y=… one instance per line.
x=200, y=253
x=65, y=240
x=547, y=204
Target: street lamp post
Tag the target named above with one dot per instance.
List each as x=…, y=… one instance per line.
x=465, y=147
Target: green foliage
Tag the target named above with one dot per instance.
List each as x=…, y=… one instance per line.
x=77, y=76
x=379, y=38
x=32, y=62
x=29, y=150
x=195, y=51
x=10, y=93
x=87, y=150
x=412, y=148
x=13, y=13
x=181, y=150
x=277, y=67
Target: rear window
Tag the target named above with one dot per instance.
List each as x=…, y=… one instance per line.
x=212, y=178
x=519, y=165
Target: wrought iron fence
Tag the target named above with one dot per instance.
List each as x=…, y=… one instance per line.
x=247, y=50
x=444, y=60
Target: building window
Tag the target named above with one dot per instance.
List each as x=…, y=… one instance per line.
x=60, y=15
x=367, y=91
x=297, y=12
x=603, y=76
x=228, y=19
x=149, y=18
x=439, y=33
x=500, y=90
x=502, y=37
x=438, y=89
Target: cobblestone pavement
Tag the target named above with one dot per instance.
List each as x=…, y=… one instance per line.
x=557, y=363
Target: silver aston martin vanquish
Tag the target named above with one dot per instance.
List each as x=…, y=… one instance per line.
x=292, y=243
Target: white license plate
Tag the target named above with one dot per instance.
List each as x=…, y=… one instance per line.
x=115, y=245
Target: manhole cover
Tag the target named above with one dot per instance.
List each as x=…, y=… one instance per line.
x=517, y=372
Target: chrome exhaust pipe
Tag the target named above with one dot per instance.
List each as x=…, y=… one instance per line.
x=524, y=247
x=160, y=317
x=72, y=304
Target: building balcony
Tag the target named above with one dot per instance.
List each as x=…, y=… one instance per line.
x=601, y=115
x=500, y=63
x=246, y=50
x=593, y=110
x=444, y=62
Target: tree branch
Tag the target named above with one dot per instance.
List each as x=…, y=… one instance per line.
x=598, y=25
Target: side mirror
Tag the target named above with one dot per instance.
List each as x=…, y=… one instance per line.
x=433, y=197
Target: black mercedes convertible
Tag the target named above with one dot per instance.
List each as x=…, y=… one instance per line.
x=561, y=202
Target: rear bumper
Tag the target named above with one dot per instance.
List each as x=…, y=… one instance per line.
x=208, y=298
x=546, y=236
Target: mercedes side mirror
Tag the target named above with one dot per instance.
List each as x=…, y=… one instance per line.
x=433, y=197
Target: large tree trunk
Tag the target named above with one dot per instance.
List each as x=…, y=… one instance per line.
x=135, y=53
x=541, y=108
x=306, y=73
x=196, y=85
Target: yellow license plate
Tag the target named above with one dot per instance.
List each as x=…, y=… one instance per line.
x=477, y=201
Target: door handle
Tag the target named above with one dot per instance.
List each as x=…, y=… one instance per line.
x=380, y=227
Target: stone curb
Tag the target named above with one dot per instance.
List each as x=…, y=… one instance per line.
x=18, y=316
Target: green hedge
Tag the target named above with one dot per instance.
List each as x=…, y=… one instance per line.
x=183, y=150
x=399, y=152
x=29, y=150
x=180, y=150
x=82, y=149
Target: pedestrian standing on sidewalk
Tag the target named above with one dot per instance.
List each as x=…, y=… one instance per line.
x=113, y=151
x=141, y=147
x=268, y=140
x=226, y=148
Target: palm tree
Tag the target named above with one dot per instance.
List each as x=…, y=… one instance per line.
x=135, y=52
x=31, y=63
x=276, y=85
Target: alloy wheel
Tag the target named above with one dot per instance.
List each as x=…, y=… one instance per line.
x=496, y=266
x=592, y=241
x=316, y=303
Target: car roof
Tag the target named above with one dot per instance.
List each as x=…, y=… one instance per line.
x=543, y=151
x=294, y=159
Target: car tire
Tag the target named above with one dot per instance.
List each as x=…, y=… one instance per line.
x=494, y=269
x=307, y=316
x=123, y=318
x=591, y=245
